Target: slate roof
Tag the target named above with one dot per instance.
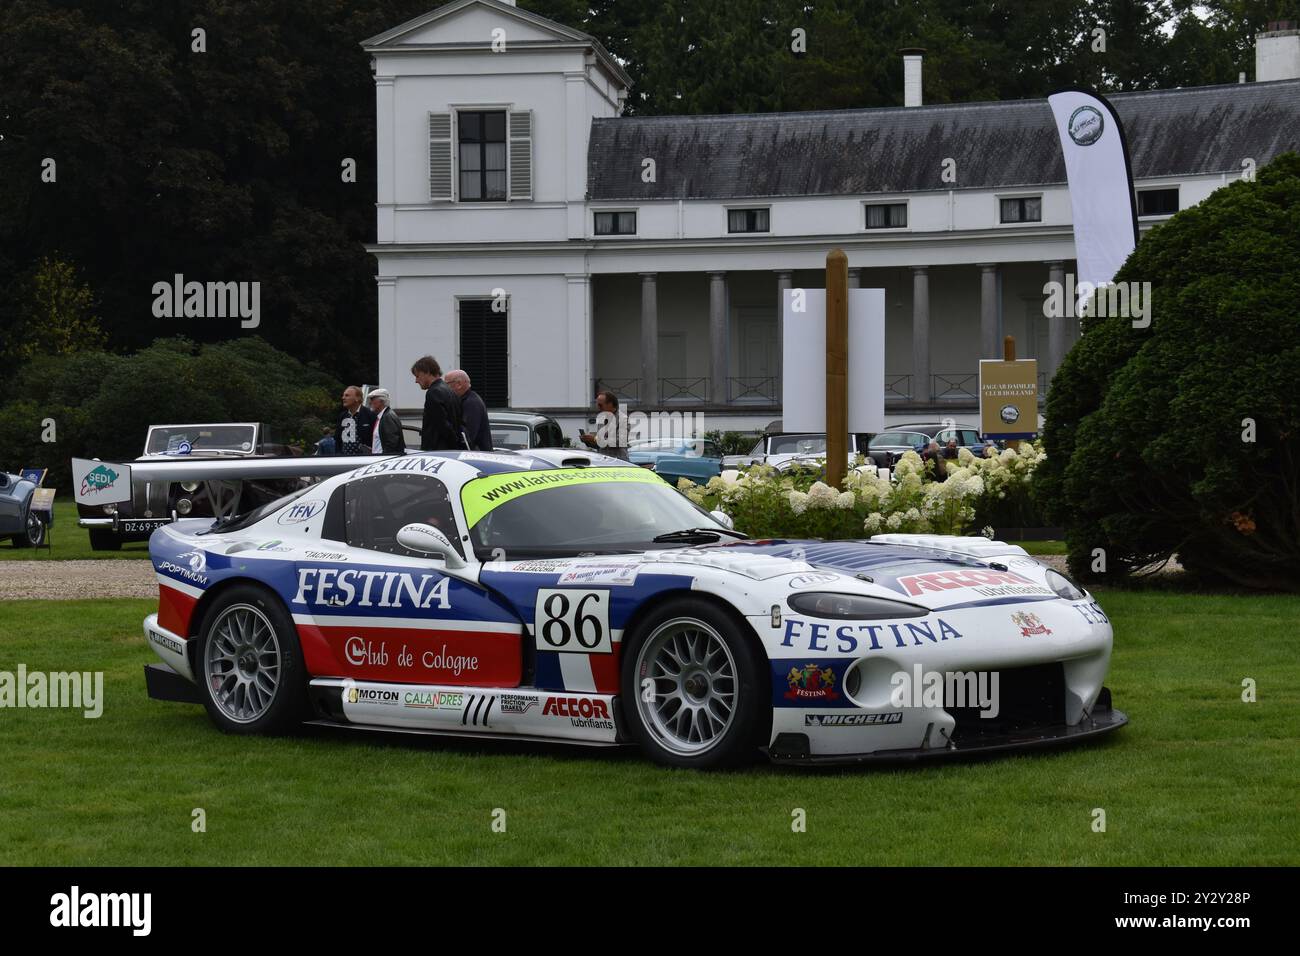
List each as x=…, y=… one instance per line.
x=1197, y=130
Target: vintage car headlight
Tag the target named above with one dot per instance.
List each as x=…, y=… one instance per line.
x=183, y=506
x=110, y=509
x=1063, y=586
x=852, y=607
x=190, y=486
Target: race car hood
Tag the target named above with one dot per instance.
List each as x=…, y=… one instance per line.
x=929, y=577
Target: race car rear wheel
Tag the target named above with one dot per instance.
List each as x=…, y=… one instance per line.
x=693, y=687
x=249, y=665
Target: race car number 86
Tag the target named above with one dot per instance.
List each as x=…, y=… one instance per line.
x=575, y=622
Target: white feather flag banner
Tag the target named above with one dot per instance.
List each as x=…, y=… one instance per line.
x=1101, y=185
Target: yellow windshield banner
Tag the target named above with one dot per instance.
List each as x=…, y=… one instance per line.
x=481, y=495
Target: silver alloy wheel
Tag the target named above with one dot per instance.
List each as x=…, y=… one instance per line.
x=35, y=529
x=241, y=663
x=695, y=685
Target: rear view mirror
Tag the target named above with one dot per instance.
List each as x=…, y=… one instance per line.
x=427, y=539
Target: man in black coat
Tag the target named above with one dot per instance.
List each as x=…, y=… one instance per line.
x=441, y=428
x=354, y=433
x=388, y=437
x=478, y=431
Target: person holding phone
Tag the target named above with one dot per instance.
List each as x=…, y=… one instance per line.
x=606, y=404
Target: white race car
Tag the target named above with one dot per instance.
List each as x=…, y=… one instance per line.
x=560, y=595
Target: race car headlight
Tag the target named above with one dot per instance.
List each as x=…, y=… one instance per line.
x=852, y=607
x=190, y=486
x=184, y=506
x=1063, y=586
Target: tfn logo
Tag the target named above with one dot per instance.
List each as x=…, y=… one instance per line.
x=300, y=511
x=75, y=909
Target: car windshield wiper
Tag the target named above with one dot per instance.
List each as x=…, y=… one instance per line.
x=696, y=534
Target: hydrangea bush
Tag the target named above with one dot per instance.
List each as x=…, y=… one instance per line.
x=766, y=503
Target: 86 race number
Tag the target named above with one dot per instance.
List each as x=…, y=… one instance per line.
x=571, y=621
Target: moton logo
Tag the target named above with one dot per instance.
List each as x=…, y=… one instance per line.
x=300, y=511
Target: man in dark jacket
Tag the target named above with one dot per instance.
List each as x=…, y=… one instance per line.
x=354, y=433
x=388, y=437
x=478, y=432
x=441, y=428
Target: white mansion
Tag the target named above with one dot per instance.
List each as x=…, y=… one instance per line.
x=647, y=255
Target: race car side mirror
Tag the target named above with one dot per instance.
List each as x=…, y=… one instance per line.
x=724, y=519
x=427, y=539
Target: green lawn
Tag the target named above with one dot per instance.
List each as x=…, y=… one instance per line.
x=68, y=540
x=1198, y=777
x=1042, y=547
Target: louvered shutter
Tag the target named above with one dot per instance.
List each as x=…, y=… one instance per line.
x=440, y=164
x=521, y=154
x=485, y=351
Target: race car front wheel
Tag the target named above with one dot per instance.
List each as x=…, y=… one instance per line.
x=249, y=665
x=693, y=687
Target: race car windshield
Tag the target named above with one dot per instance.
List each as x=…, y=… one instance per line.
x=572, y=512
x=188, y=439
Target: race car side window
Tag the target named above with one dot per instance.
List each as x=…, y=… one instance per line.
x=376, y=508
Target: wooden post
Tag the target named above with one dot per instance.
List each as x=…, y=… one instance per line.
x=837, y=367
x=1009, y=355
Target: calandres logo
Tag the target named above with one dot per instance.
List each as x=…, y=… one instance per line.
x=811, y=682
x=99, y=478
x=1086, y=125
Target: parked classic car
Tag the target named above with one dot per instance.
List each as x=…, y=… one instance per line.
x=511, y=431
x=698, y=459
x=154, y=504
x=886, y=447
x=17, y=520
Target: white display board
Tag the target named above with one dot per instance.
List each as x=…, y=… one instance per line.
x=803, y=376
x=100, y=482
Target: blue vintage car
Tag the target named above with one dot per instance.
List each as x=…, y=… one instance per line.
x=17, y=520
x=672, y=458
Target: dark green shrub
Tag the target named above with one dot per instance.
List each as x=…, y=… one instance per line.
x=1145, y=427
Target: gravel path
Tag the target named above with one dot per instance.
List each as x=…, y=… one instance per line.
x=77, y=579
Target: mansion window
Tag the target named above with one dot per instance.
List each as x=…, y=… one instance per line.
x=615, y=223
x=748, y=220
x=482, y=139
x=1022, y=209
x=891, y=215
x=1158, y=202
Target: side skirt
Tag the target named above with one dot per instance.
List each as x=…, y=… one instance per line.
x=519, y=713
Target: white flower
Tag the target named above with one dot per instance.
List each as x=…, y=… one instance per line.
x=894, y=521
x=845, y=501
x=798, y=501
x=873, y=522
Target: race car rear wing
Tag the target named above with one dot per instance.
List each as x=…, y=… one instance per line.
x=96, y=482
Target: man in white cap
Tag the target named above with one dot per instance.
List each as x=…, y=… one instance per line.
x=387, y=435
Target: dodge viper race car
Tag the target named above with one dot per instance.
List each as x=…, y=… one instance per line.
x=564, y=596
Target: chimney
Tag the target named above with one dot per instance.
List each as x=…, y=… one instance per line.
x=912, y=75
x=1277, y=52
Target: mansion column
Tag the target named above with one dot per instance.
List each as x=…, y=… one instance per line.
x=1055, y=323
x=990, y=347
x=719, y=360
x=784, y=283
x=649, y=393
x=921, y=334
